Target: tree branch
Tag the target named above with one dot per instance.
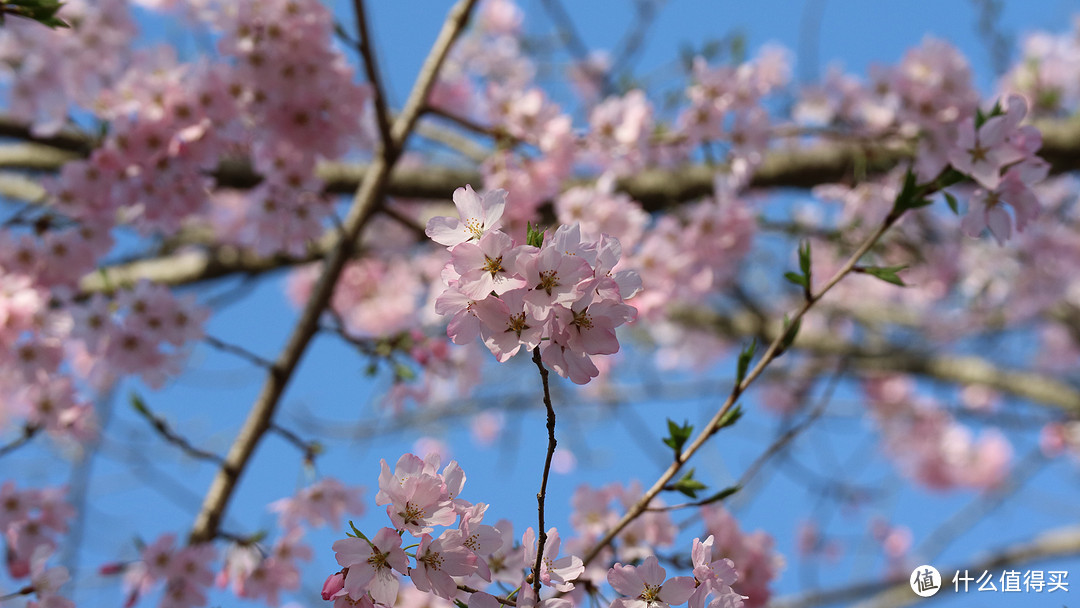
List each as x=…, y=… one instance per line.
x=541, y=496
x=371, y=66
x=775, y=349
x=366, y=199
x=1028, y=385
x=895, y=592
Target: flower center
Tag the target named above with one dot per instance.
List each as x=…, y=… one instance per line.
x=475, y=227
x=549, y=279
x=493, y=265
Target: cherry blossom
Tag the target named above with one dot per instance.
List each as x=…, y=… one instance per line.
x=370, y=565
x=647, y=586
x=477, y=215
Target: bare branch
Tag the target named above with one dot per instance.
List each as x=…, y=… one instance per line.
x=371, y=66
x=162, y=427
x=239, y=351
x=28, y=432
x=541, y=496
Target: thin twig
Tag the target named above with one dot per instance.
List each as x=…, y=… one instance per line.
x=28, y=432
x=541, y=533
x=239, y=351
x=503, y=601
x=774, y=350
x=371, y=66
x=163, y=429
x=311, y=449
x=774, y=448
x=572, y=38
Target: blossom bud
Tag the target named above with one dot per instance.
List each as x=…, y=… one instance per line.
x=334, y=583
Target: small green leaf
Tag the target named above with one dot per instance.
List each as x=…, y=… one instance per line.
x=533, y=236
x=886, y=273
x=721, y=495
x=745, y=357
x=790, y=332
x=804, y=259
x=730, y=418
x=403, y=372
x=688, y=485
x=951, y=201
x=679, y=435
x=797, y=279
x=357, y=533
x=910, y=197
x=139, y=405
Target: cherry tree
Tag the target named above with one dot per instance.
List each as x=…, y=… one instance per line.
x=889, y=257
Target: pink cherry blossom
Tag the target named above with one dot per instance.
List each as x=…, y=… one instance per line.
x=370, y=565
x=437, y=561
x=554, y=572
x=647, y=586
x=476, y=216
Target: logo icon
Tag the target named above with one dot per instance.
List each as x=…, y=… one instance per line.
x=925, y=581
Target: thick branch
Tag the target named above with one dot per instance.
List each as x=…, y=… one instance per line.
x=655, y=189
x=367, y=198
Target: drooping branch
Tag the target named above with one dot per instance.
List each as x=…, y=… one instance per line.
x=368, y=196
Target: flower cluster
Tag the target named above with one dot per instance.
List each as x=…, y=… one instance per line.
x=647, y=585
x=30, y=520
x=758, y=561
x=561, y=294
x=420, y=498
x=999, y=155
x=185, y=572
x=929, y=445
x=144, y=330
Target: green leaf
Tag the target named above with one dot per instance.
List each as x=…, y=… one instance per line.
x=533, y=236
x=357, y=533
x=721, y=495
x=804, y=259
x=911, y=196
x=797, y=279
x=730, y=418
x=679, y=435
x=688, y=485
x=951, y=201
x=745, y=357
x=403, y=372
x=886, y=273
x=139, y=405
x=790, y=332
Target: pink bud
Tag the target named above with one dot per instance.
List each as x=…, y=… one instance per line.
x=111, y=569
x=334, y=583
